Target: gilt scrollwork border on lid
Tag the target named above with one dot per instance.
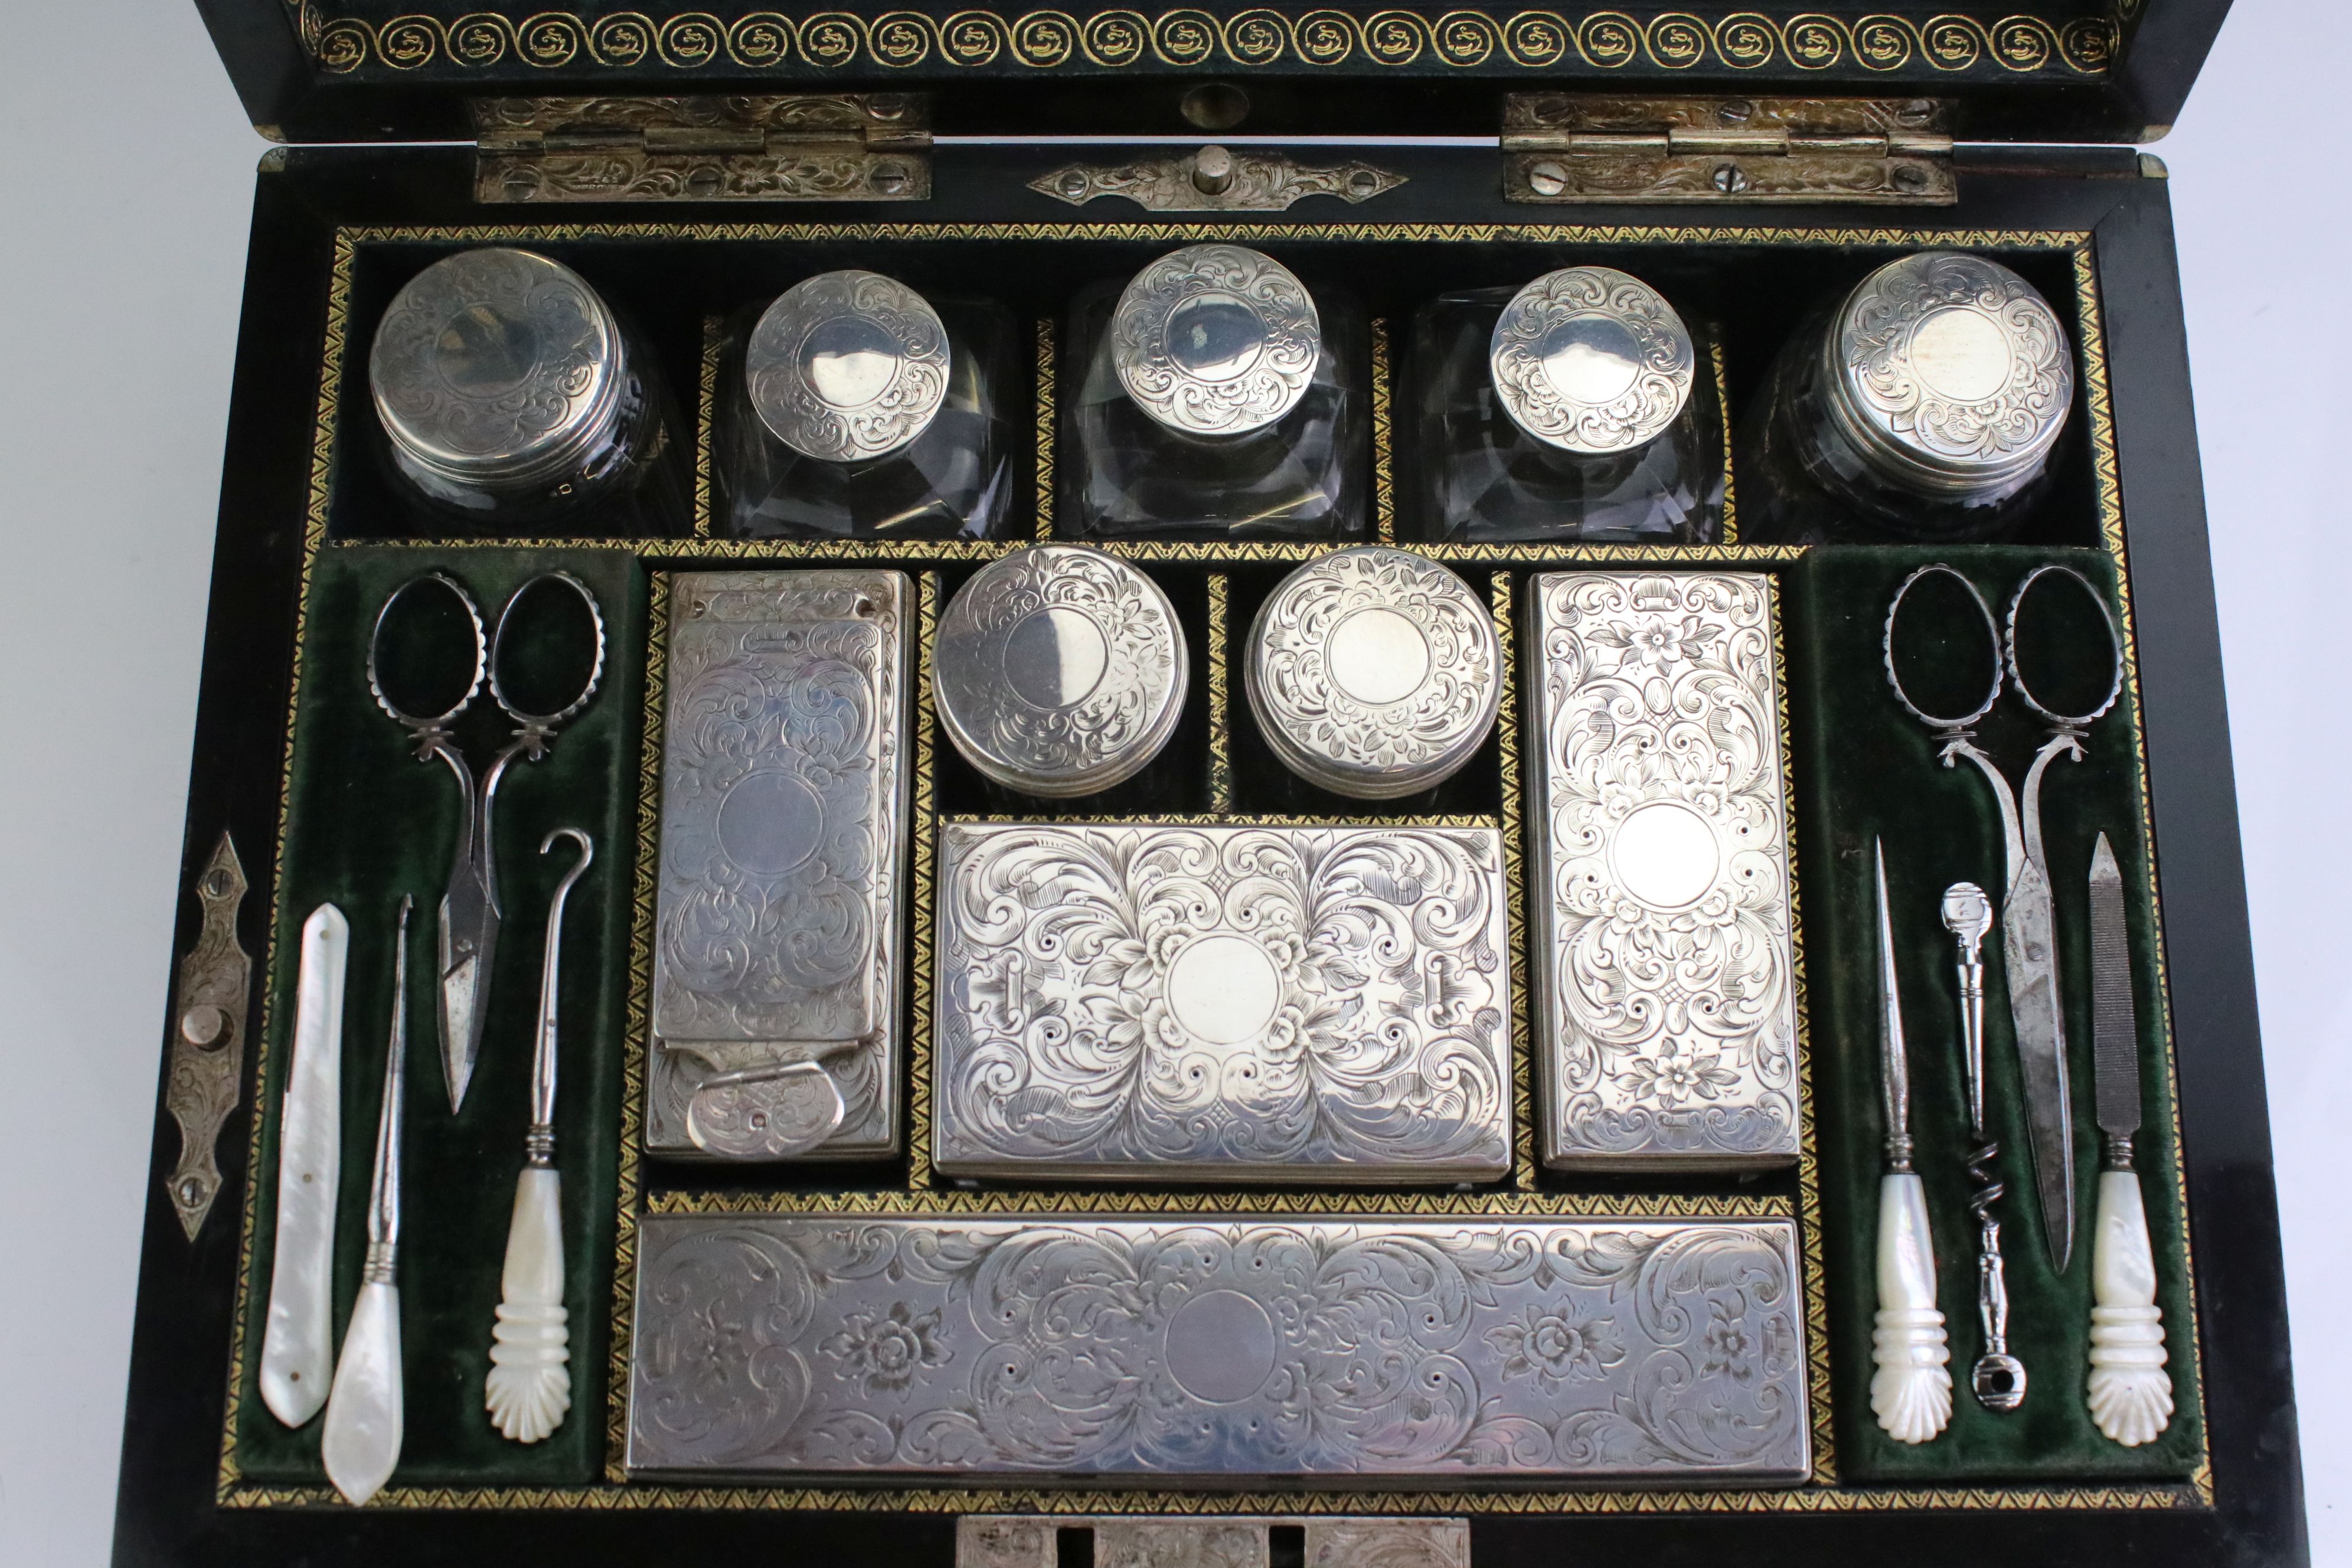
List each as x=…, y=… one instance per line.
x=1857, y=44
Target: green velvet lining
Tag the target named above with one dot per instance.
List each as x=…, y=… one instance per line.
x=367, y=822
x=1868, y=770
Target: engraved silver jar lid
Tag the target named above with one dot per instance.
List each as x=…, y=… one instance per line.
x=1592, y=361
x=846, y=366
x=1060, y=671
x=1373, y=672
x=1215, y=340
x=497, y=368
x=1948, y=374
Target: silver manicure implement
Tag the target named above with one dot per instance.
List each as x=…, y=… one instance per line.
x=361, y=1443
x=1998, y=1378
x=469, y=913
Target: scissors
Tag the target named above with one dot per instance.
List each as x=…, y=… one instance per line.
x=2029, y=944
x=469, y=909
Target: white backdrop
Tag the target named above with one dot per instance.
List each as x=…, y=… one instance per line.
x=126, y=181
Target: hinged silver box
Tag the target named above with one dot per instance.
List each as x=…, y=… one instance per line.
x=1665, y=953
x=783, y=838
x=1298, y=1004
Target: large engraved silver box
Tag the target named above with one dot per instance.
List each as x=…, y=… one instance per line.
x=1333, y=1351
x=1667, y=1001
x=1299, y=1005
x=780, y=907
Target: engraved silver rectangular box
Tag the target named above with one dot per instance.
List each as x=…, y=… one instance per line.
x=779, y=914
x=1283, y=1004
x=1665, y=949
x=1078, y=1349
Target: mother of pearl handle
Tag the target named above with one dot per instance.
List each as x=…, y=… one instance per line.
x=1911, y=1392
x=2131, y=1394
x=530, y=1385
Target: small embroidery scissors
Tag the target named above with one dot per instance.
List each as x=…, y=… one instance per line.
x=469, y=909
x=2029, y=944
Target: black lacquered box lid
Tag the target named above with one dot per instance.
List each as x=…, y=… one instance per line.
x=2053, y=72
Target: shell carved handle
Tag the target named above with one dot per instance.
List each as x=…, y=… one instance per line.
x=1911, y=1392
x=530, y=1387
x=2130, y=1392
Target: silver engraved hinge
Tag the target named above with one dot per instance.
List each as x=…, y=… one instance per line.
x=1030, y=1540
x=1571, y=147
x=812, y=147
x=1215, y=179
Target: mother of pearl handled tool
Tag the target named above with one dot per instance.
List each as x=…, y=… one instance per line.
x=361, y=1440
x=530, y=1385
x=1911, y=1392
x=298, y=1348
x=2130, y=1392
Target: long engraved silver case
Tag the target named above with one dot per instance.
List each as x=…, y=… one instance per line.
x=1219, y=1349
x=1279, y=1004
x=1667, y=1007
x=778, y=924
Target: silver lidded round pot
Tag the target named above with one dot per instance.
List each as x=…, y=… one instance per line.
x=1948, y=374
x=847, y=366
x=1373, y=672
x=498, y=370
x=1215, y=340
x=1592, y=361
x=1060, y=670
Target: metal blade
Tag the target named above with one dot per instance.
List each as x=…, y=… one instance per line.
x=2114, y=1028
x=469, y=939
x=2029, y=952
x=1895, y=1068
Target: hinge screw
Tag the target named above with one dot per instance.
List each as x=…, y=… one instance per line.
x=1735, y=111
x=1546, y=178
x=1910, y=177
x=890, y=178
x=885, y=106
x=1729, y=180
x=521, y=185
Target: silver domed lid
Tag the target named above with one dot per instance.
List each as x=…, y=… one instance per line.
x=1373, y=672
x=1060, y=671
x=1591, y=360
x=497, y=368
x=847, y=365
x=1948, y=374
x=1216, y=340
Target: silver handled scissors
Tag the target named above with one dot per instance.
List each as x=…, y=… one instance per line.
x=469, y=910
x=2028, y=923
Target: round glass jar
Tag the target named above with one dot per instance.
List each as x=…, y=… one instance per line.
x=1218, y=397
x=1923, y=407
x=858, y=408
x=1582, y=406
x=510, y=393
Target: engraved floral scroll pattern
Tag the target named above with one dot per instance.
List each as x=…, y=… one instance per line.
x=1341, y=1348
x=1141, y=660
x=1292, y=678
x=1273, y=378
x=1651, y=398
x=1670, y=1007
x=776, y=896
x=2012, y=420
x=1063, y=1043
x=797, y=410
x=564, y=330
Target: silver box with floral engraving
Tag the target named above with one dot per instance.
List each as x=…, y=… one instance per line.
x=1666, y=1008
x=1200, y=1002
x=1077, y=1349
x=779, y=918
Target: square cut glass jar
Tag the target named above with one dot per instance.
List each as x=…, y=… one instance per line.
x=1126, y=476
x=951, y=482
x=1482, y=478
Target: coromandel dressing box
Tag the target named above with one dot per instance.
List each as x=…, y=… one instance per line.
x=1248, y=785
